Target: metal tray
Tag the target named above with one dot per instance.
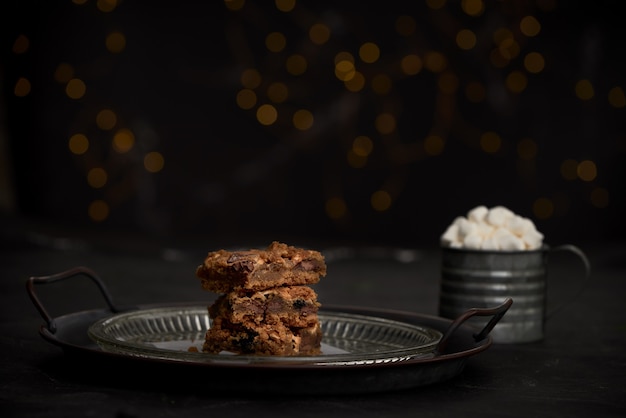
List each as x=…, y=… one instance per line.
x=352, y=363
x=177, y=333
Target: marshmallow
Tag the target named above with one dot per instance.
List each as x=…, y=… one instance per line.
x=499, y=215
x=450, y=236
x=466, y=227
x=478, y=214
x=507, y=240
x=489, y=243
x=518, y=225
x=533, y=239
x=473, y=240
x=497, y=228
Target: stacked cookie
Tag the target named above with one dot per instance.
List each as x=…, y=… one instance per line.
x=266, y=305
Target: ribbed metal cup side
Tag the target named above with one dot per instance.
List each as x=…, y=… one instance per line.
x=483, y=279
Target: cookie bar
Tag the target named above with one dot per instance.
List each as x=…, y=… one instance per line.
x=265, y=339
x=294, y=306
x=278, y=265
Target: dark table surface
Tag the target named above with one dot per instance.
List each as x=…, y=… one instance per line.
x=579, y=369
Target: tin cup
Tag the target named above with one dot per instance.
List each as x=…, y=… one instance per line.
x=483, y=278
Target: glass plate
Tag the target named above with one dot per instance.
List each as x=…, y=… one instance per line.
x=177, y=334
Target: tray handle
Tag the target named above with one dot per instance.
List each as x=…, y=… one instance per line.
x=496, y=313
x=76, y=271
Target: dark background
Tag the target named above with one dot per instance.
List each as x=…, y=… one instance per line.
x=174, y=86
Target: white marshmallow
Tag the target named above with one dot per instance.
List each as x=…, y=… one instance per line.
x=456, y=244
x=519, y=226
x=484, y=229
x=489, y=243
x=478, y=214
x=451, y=235
x=466, y=228
x=497, y=228
x=499, y=215
x=507, y=240
x=533, y=239
x=473, y=241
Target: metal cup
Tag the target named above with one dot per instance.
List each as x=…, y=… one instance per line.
x=481, y=278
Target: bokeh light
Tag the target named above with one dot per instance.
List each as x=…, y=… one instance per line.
x=380, y=110
x=78, y=144
x=75, y=88
x=153, y=162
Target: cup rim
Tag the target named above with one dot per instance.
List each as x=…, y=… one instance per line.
x=544, y=248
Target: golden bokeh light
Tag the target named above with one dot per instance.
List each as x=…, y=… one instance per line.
x=497, y=59
x=501, y=35
x=123, y=141
x=587, y=170
x=527, y=149
x=303, y=119
x=385, y=123
x=106, y=119
x=490, y=142
x=475, y=92
x=436, y=4
x=234, y=5
x=534, y=62
x=434, y=145
x=75, y=88
x=466, y=39
x=419, y=90
x=569, y=169
x=516, y=82
x=344, y=70
x=369, y=52
x=115, y=42
x=266, y=114
x=63, y=73
x=530, y=26
x=246, y=99
x=543, y=208
x=599, y=197
x=153, y=162
x=584, y=89
x=473, y=7
x=97, y=177
x=275, y=42
x=381, y=200
x=285, y=5
x=296, y=64
x=435, y=61
x=547, y=5
x=336, y=208
x=278, y=92
x=356, y=83
x=362, y=145
x=617, y=98
x=411, y=64
x=344, y=56
x=381, y=84
x=509, y=49
x=250, y=78
x=355, y=160
x=106, y=6
x=405, y=25
x=319, y=33
x=78, y=144
x=448, y=82
x=21, y=44
x=98, y=210
x=22, y=87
